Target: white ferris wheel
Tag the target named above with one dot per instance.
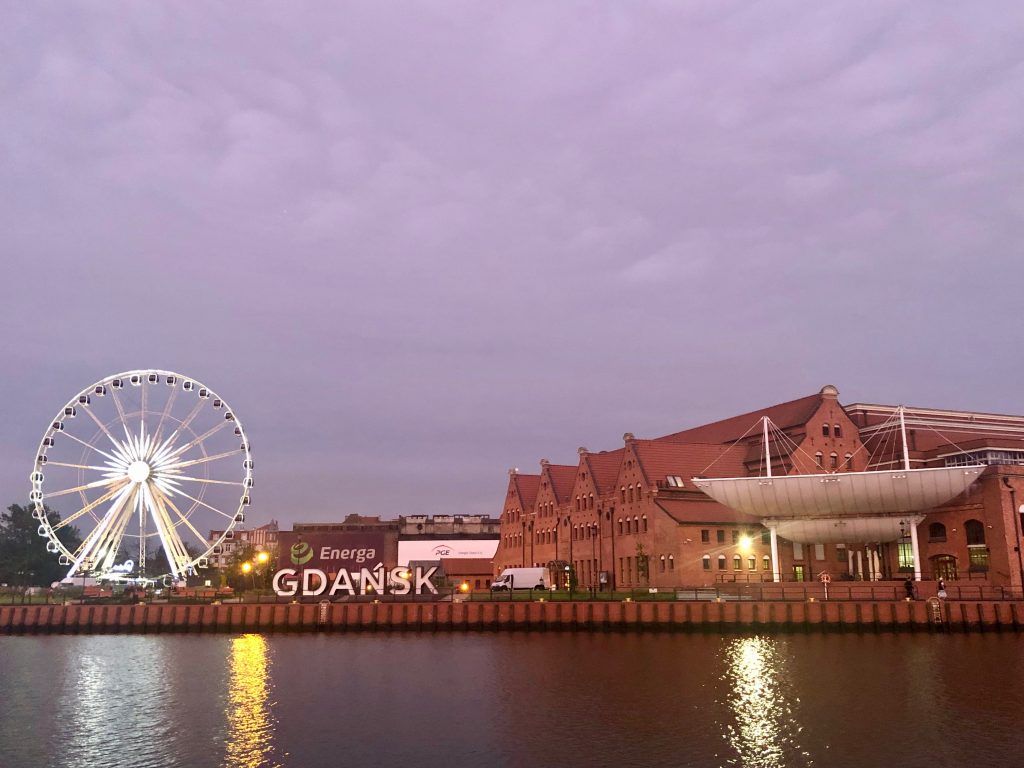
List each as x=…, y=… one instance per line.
x=152, y=468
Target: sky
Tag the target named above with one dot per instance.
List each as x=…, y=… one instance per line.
x=416, y=244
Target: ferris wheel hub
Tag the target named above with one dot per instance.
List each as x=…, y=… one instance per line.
x=138, y=471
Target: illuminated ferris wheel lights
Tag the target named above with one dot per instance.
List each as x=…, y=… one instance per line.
x=142, y=475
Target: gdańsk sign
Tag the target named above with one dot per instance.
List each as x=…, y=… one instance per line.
x=313, y=582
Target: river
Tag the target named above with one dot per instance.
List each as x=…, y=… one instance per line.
x=515, y=699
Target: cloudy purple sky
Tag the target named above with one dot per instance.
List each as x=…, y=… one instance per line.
x=417, y=244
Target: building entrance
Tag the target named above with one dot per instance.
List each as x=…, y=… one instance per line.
x=944, y=567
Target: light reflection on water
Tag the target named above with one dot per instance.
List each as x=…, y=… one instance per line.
x=250, y=722
x=766, y=729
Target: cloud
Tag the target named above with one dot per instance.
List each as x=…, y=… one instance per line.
x=415, y=249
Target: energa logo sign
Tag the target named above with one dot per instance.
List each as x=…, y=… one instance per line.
x=301, y=553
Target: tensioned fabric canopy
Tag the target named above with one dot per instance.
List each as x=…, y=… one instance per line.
x=847, y=506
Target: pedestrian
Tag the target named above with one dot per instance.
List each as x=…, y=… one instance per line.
x=942, y=589
x=908, y=585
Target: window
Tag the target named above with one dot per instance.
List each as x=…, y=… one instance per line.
x=975, y=531
x=766, y=537
x=836, y=431
x=841, y=556
x=824, y=430
x=620, y=526
x=798, y=551
x=752, y=563
x=977, y=552
x=833, y=460
x=662, y=563
x=671, y=562
x=737, y=563
x=766, y=563
x=905, y=554
x=706, y=562
x=735, y=537
x=721, y=562
x=721, y=536
x=937, y=532
x=819, y=551
x=636, y=524
x=590, y=501
x=631, y=493
x=705, y=536
x=847, y=462
x=623, y=490
x=818, y=459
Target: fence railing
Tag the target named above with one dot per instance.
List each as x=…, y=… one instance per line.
x=723, y=592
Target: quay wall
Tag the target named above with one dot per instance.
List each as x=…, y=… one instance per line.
x=508, y=616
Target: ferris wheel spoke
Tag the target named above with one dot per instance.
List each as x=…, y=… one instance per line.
x=94, y=448
x=204, y=504
x=91, y=544
x=180, y=428
x=174, y=478
x=204, y=460
x=80, y=466
x=95, y=484
x=120, y=408
x=102, y=426
x=89, y=507
x=163, y=416
x=208, y=433
x=166, y=501
x=174, y=547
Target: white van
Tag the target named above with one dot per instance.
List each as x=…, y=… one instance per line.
x=522, y=578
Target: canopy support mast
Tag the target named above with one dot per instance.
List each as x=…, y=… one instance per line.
x=767, y=453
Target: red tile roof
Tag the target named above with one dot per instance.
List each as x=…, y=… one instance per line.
x=604, y=468
x=563, y=479
x=527, y=486
x=706, y=511
x=783, y=415
x=659, y=460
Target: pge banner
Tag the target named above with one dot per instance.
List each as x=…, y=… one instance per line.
x=419, y=550
x=331, y=552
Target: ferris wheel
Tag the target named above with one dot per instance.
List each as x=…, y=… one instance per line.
x=153, y=470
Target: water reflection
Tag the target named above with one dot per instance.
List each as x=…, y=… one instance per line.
x=765, y=731
x=250, y=722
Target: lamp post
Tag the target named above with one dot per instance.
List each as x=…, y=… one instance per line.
x=593, y=552
x=611, y=526
x=1016, y=527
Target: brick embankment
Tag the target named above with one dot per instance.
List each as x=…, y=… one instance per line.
x=615, y=616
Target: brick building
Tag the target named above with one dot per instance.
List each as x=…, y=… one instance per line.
x=262, y=538
x=634, y=517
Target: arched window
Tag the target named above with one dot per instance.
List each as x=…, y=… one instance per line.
x=937, y=532
x=631, y=493
x=662, y=563
x=671, y=562
x=737, y=563
x=752, y=563
x=721, y=562
x=975, y=531
x=645, y=523
x=824, y=430
x=623, y=490
x=706, y=562
x=847, y=462
x=836, y=431
x=636, y=525
x=766, y=563
x=833, y=460
x=577, y=503
x=818, y=459
x=591, y=501
x=620, y=526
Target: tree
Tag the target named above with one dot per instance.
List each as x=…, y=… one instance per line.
x=24, y=560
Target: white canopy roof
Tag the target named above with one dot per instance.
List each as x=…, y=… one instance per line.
x=807, y=507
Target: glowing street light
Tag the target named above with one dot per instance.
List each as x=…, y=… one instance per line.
x=746, y=543
x=246, y=567
x=262, y=557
